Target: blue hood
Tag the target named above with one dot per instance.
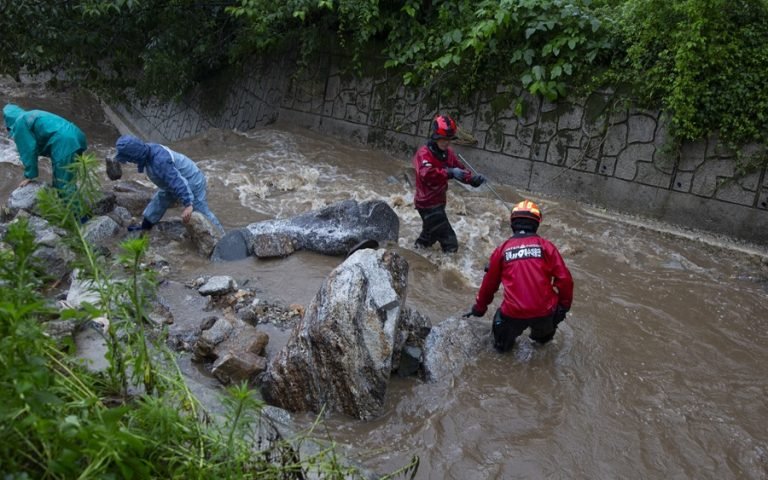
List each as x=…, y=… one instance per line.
x=132, y=150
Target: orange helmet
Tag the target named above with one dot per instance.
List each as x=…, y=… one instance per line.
x=526, y=209
x=443, y=126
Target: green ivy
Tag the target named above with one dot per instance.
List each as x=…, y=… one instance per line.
x=701, y=61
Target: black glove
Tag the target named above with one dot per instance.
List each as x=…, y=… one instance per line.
x=145, y=226
x=477, y=180
x=473, y=312
x=455, y=172
x=559, y=316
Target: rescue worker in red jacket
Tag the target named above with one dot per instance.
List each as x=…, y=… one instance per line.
x=436, y=163
x=538, y=287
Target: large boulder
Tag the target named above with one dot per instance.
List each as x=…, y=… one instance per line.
x=339, y=356
x=332, y=230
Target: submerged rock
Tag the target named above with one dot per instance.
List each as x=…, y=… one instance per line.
x=452, y=344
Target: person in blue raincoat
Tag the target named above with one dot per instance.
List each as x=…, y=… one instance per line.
x=178, y=179
x=37, y=133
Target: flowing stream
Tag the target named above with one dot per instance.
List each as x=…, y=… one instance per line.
x=657, y=373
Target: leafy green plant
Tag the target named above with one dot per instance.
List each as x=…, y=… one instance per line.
x=702, y=61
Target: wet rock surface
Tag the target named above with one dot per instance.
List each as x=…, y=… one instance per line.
x=333, y=230
x=340, y=354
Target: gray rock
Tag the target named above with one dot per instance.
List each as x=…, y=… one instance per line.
x=121, y=215
x=450, y=345
x=218, y=285
x=203, y=234
x=114, y=169
x=105, y=204
x=271, y=245
x=45, y=233
x=100, y=229
x=55, y=260
x=410, y=361
x=60, y=330
x=339, y=356
x=333, y=230
x=234, y=368
x=211, y=337
x=24, y=198
x=411, y=337
x=234, y=245
x=132, y=196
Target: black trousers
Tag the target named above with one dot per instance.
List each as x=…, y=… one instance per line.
x=435, y=227
x=506, y=329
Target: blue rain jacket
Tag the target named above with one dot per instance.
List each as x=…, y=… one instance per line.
x=177, y=177
x=37, y=133
x=175, y=174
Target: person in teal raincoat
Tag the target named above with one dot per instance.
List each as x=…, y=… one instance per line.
x=37, y=133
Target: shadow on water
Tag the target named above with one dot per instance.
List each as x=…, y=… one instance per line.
x=657, y=373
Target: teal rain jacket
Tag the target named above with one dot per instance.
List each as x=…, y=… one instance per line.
x=39, y=133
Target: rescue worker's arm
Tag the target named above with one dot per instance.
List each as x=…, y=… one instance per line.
x=460, y=172
x=561, y=277
x=490, y=285
x=453, y=162
x=26, y=144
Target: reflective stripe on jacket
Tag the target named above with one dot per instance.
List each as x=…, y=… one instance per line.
x=171, y=171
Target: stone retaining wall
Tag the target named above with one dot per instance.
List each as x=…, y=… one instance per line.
x=594, y=150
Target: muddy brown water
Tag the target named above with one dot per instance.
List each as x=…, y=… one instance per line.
x=659, y=371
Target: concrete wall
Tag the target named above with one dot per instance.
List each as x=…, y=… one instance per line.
x=595, y=149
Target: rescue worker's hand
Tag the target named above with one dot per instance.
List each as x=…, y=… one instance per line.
x=473, y=312
x=186, y=214
x=477, y=180
x=455, y=172
x=560, y=312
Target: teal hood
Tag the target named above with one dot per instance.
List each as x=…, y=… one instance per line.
x=10, y=113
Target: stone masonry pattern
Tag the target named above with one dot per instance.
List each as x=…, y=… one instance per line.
x=533, y=145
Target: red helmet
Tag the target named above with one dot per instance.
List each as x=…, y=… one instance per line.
x=526, y=209
x=443, y=126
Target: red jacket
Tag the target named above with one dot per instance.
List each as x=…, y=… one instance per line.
x=431, y=177
x=534, y=276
